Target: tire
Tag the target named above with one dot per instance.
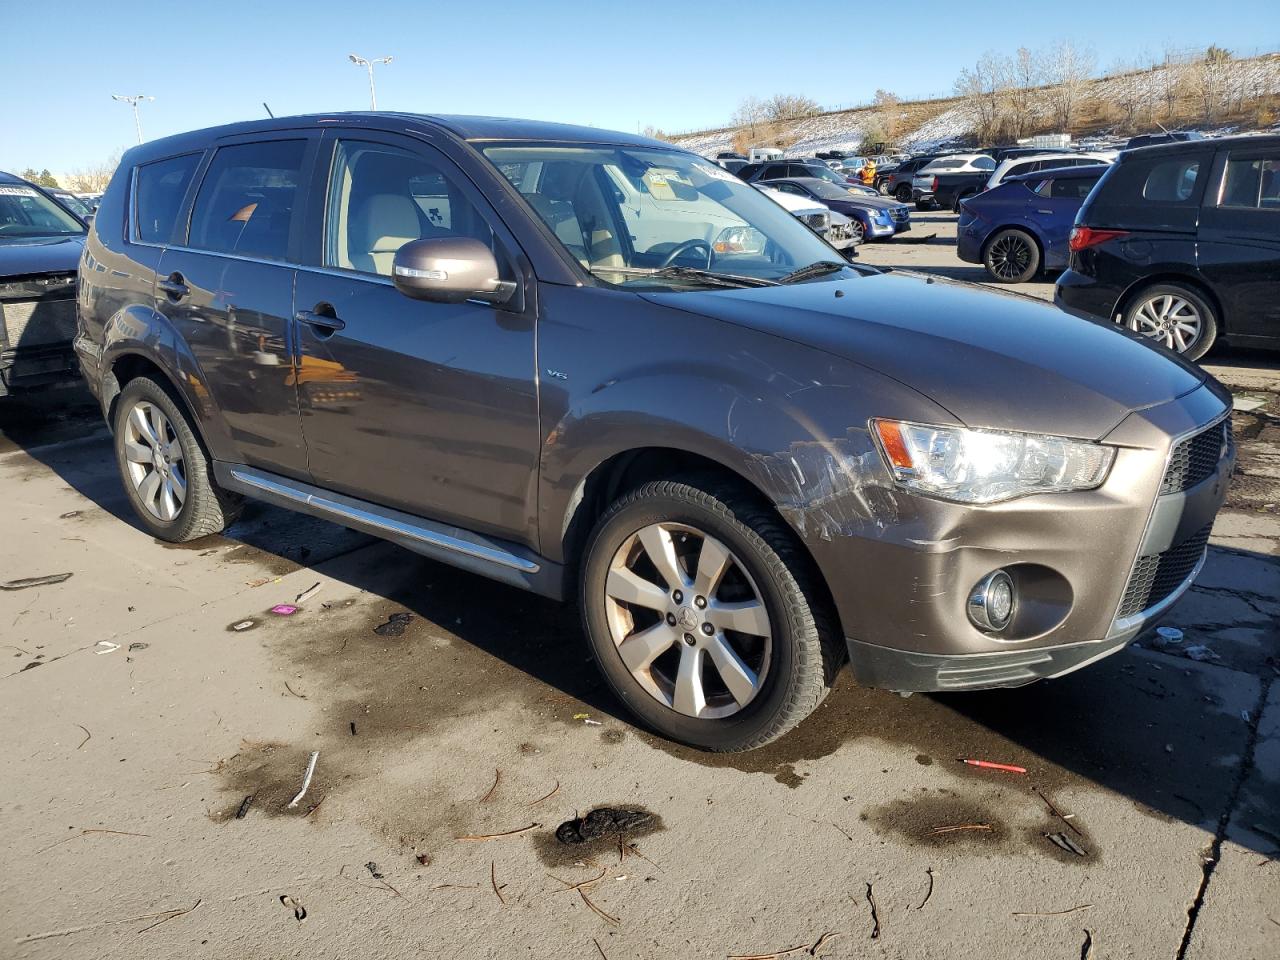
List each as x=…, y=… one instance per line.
x=859, y=232
x=926, y=205
x=1176, y=316
x=903, y=193
x=791, y=667
x=182, y=503
x=1011, y=256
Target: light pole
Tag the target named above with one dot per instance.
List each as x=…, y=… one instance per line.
x=133, y=102
x=368, y=64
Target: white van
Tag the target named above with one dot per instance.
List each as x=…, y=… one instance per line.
x=764, y=154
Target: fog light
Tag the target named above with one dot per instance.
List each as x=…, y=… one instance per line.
x=992, y=601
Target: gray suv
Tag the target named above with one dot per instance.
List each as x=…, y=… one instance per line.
x=602, y=368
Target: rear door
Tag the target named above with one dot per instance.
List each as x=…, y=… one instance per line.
x=1059, y=200
x=1240, y=240
x=429, y=408
x=228, y=289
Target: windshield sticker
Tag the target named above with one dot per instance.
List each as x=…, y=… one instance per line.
x=8, y=191
x=717, y=173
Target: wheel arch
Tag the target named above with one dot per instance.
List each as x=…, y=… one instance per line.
x=628, y=469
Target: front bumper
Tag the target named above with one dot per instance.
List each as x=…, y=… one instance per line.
x=877, y=229
x=1093, y=569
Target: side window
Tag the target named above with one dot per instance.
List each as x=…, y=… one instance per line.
x=381, y=197
x=1044, y=188
x=246, y=201
x=1171, y=181
x=1252, y=182
x=158, y=192
x=1074, y=188
x=984, y=163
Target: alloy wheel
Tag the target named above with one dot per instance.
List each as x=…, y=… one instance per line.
x=859, y=232
x=688, y=621
x=154, y=459
x=1169, y=319
x=1010, y=257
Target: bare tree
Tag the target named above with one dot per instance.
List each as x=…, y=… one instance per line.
x=784, y=106
x=1130, y=94
x=751, y=113
x=887, y=117
x=95, y=177
x=983, y=87
x=1068, y=70
x=655, y=133
x=1171, y=80
x=1209, y=79
x=1022, y=82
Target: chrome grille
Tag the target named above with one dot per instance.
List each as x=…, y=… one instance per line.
x=900, y=214
x=1196, y=458
x=816, y=221
x=1156, y=577
x=38, y=311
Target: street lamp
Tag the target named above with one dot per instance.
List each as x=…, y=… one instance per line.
x=133, y=102
x=368, y=64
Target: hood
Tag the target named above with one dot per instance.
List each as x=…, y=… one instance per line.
x=993, y=359
x=867, y=204
x=40, y=255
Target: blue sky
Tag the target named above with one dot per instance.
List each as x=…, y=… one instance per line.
x=677, y=66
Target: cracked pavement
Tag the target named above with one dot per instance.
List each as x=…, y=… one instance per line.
x=159, y=719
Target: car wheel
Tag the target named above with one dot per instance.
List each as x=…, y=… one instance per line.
x=903, y=193
x=859, y=232
x=166, y=472
x=704, y=617
x=1175, y=316
x=1011, y=256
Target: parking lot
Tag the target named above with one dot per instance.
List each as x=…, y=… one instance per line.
x=166, y=718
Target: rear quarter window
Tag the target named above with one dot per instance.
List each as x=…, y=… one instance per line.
x=159, y=189
x=1160, y=192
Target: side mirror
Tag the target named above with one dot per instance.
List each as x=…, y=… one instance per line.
x=449, y=270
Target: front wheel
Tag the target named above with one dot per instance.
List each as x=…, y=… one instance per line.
x=704, y=617
x=1175, y=316
x=903, y=193
x=1011, y=256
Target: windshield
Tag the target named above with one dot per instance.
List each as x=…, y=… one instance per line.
x=74, y=204
x=26, y=212
x=645, y=217
x=830, y=191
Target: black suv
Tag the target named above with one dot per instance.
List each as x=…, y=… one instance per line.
x=1181, y=242
x=600, y=367
x=897, y=182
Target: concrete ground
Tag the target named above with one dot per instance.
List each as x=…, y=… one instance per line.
x=158, y=719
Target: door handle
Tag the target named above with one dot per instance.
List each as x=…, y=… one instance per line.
x=173, y=287
x=320, y=321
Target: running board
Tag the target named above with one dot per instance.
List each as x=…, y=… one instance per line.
x=489, y=557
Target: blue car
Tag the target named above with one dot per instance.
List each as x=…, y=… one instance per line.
x=1022, y=226
x=874, y=217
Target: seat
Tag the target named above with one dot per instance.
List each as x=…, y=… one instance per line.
x=383, y=223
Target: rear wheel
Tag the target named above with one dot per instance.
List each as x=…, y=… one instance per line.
x=166, y=472
x=1175, y=316
x=903, y=193
x=703, y=616
x=1011, y=256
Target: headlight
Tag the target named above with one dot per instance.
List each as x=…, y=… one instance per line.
x=987, y=466
x=739, y=240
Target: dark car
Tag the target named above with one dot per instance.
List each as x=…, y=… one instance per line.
x=876, y=217
x=40, y=246
x=1181, y=243
x=597, y=366
x=1152, y=139
x=1000, y=154
x=784, y=169
x=897, y=182
x=73, y=203
x=1023, y=226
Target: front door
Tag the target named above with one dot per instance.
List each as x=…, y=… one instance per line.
x=228, y=290
x=1240, y=241
x=430, y=408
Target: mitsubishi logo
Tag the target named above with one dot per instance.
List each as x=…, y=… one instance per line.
x=687, y=618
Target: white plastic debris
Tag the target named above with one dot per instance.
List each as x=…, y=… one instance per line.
x=106, y=646
x=1202, y=653
x=1169, y=634
x=306, y=780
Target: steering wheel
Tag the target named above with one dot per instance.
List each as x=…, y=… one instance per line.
x=685, y=247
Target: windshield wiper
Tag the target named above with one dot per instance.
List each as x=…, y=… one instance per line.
x=693, y=273
x=821, y=268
